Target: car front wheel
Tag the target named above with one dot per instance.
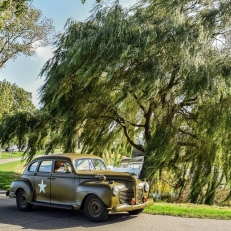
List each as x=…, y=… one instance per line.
x=21, y=200
x=95, y=209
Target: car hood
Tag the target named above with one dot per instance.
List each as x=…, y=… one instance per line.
x=110, y=175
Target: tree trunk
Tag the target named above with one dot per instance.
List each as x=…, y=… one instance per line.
x=143, y=170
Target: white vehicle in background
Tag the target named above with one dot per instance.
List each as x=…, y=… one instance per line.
x=130, y=165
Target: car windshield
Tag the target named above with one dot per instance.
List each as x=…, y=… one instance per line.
x=89, y=164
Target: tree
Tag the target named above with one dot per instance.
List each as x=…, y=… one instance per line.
x=11, y=8
x=24, y=33
x=13, y=100
x=162, y=79
x=22, y=30
x=14, y=8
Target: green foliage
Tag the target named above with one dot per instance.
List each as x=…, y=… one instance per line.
x=22, y=33
x=29, y=128
x=14, y=99
x=11, y=8
x=15, y=102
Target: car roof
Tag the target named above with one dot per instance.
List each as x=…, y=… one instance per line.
x=71, y=156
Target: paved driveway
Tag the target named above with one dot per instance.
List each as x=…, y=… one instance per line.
x=44, y=218
x=3, y=161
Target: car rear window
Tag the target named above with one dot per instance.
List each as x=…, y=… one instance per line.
x=33, y=167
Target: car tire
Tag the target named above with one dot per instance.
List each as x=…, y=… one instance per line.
x=94, y=208
x=136, y=212
x=21, y=200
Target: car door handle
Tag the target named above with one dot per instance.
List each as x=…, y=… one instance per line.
x=51, y=178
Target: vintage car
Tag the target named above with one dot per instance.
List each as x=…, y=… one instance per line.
x=79, y=181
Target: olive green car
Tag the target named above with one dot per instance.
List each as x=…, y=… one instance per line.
x=76, y=181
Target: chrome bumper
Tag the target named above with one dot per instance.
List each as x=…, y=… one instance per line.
x=10, y=194
x=127, y=208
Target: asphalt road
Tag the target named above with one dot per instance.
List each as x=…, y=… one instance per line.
x=44, y=218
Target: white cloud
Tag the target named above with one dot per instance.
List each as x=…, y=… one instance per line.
x=44, y=52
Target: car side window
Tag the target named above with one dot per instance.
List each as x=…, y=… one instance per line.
x=33, y=167
x=45, y=166
x=62, y=167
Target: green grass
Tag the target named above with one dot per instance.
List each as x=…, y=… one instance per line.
x=9, y=172
x=6, y=155
x=190, y=210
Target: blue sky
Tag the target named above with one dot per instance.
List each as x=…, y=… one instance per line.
x=24, y=70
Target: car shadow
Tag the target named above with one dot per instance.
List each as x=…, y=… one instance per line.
x=46, y=218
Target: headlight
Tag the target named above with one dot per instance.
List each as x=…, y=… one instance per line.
x=146, y=187
x=115, y=190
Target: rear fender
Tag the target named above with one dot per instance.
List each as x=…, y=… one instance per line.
x=24, y=184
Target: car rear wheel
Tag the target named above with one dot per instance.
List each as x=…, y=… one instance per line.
x=21, y=200
x=136, y=212
x=95, y=209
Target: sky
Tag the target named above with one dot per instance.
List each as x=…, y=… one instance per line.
x=24, y=71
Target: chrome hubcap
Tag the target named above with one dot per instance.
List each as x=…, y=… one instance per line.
x=23, y=200
x=94, y=208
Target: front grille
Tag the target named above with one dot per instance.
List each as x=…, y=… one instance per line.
x=140, y=195
x=126, y=195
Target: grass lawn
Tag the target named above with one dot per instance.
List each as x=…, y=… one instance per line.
x=190, y=210
x=6, y=155
x=10, y=172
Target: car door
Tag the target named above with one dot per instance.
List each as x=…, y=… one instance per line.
x=42, y=181
x=63, y=183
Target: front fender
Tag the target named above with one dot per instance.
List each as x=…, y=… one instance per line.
x=102, y=189
x=24, y=184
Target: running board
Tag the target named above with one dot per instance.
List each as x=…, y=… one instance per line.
x=51, y=205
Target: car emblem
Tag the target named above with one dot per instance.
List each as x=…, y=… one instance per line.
x=42, y=187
